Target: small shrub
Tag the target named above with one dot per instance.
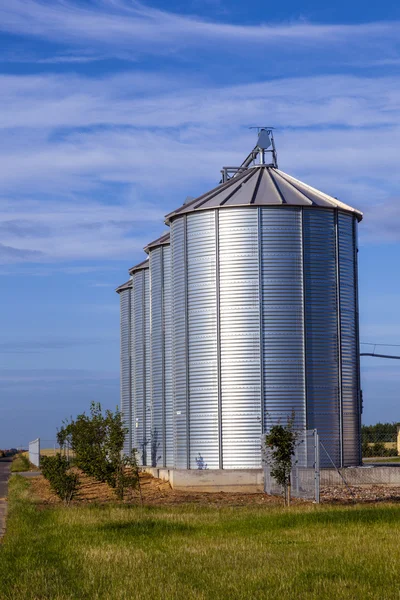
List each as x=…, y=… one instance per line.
x=55, y=469
x=127, y=476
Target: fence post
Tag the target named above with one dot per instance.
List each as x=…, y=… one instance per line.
x=316, y=467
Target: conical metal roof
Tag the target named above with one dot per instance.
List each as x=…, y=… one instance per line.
x=161, y=241
x=142, y=265
x=124, y=286
x=262, y=185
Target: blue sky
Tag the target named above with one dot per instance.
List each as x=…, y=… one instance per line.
x=113, y=111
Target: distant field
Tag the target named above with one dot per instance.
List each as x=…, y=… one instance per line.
x=47, y=452
x=188, y=552
x=386, y=459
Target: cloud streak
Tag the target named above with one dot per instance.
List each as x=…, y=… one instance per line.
x=133, y=25
x=88, y=165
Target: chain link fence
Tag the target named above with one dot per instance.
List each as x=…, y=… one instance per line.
x=305, y=474
x=380, y=442
x=316, y=474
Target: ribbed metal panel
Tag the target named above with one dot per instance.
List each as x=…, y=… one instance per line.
x=157, y=356
x=240, y=338
x=168, y=395
x=141, y=391
x=282, y=315
x=321, y=325
x=264, y=322
x=202, y=340
x=348, y=336
x=179, y=346
x=161, y=359
x=147, y=373
x=125, y=320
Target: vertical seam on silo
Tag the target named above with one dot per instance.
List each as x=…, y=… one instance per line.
x=303, y=284
x=218, y=324
x=261, y=318
x=173, y=345
x=145, y=441
x=357, y=309
x=185, y=267
x=163, y=418
x=339, y=338
x=133, y=373
x=150, y=366
x=130, y=368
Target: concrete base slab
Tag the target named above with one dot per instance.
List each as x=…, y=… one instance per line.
x=252, y=480
x=212, y=480
x=364, y=476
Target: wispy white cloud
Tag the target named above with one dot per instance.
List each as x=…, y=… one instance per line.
x=124, y=139
x=58, y=230
x=138, y=27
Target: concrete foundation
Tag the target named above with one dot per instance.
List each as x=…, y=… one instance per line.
x=212, y=480
x=252, y=480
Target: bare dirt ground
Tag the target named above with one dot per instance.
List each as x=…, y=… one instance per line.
x=156, y=492
x=360, y=494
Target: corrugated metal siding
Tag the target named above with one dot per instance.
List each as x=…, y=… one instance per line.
x=240, y=338
x=157, y=356
x=282, y=315
x=349, y=345
x=125, y=320
x=147, y=374
x=271, y=277
x=179, y=347
x=202, y=337
x=169, y=409
x=140, y=361
x=321, y=304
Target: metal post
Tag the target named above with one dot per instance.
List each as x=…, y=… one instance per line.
x=316, y=467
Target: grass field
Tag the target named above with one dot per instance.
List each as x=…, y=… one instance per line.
x=20, y=463
x=188, y=552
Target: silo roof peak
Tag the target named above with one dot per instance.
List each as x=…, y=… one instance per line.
x=263, y=185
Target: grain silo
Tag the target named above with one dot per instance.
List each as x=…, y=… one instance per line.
x=124, y=292
x=264, y=317
x=161, y=441
x=140, y=362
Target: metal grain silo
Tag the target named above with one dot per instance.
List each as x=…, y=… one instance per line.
x=162, y=442
x=140, y=361
x=124, y=292
x=264, y=317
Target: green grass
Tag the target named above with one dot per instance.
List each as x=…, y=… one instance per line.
x=387, y=459
x=187, y=552
x=20, y=463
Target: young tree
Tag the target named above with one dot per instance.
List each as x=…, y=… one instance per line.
x=97, y=442
x=282, y=441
